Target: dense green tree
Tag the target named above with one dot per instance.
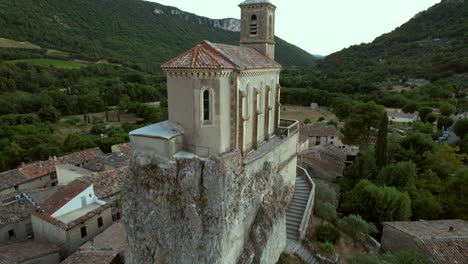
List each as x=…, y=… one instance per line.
x=431, y=118
x=444, y=122
x=421, y=127
x=75, y=142
x=48, y=114
x=461, y=128
x=445, y=160
x=381, y=155
x=325, y=193
x=447, y=109
x=424, y=205
x=410, y=107
x=356, y=227
x=361, y=124
x=456, y=196
x=377, y=204
x=12, y=155
x=400, y=175
x=424, y=112
x=364, y=167
x=326, y=211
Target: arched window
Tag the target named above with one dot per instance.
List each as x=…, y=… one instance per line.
x=271, y=98
x=260, y=98
x=206, y=105
x=253, y=25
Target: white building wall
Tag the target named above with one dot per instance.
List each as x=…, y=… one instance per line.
x=76, y=203
x=259, y=82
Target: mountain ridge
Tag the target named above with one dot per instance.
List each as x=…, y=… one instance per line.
x=122, y=31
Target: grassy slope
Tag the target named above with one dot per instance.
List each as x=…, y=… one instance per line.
x=126, y=31
x=56, y=63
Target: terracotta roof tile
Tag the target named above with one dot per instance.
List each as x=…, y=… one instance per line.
x=63, y=196
x=107, y=183
x=449, y=250
x=22, y=251
x=319, y=131
x=207, y=55
x=445, y=240
x=93, y=257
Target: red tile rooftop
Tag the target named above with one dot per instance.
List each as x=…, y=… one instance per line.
x=207, y=55
x=23, y=251
x=107, y=183
x=63, y=196
x=318, y=131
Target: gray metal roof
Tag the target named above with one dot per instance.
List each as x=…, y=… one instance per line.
x=165, y=130
x=254, y=2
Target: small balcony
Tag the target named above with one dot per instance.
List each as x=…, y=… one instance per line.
x=288, y=127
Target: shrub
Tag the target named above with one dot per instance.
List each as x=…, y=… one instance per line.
x=328, y=247
x=326, y=211
x=327, y=233
x=321, y=119
x=307, y=121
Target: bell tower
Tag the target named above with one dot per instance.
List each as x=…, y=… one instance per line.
x=258, y=26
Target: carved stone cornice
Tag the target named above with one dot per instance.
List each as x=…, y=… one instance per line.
x=199, y=74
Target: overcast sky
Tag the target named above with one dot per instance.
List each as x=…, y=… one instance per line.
x=320, y=26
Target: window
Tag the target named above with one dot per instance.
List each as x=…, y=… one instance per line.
x=253, y=25
x=99, y=222
x=246, y=103
x=83, y=231
x=11, y=234
x=29, y=230
x=271, y=26
x=206, y=105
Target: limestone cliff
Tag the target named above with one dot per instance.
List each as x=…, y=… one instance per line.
x=204, y=211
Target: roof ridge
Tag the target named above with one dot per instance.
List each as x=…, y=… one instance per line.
x=221, y=53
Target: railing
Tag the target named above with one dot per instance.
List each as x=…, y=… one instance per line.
x=288, y=127
x=310, y=203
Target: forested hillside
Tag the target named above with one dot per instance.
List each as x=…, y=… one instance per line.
x=131, y=32
x=424, y=61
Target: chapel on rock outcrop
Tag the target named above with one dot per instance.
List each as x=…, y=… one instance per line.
x=221, y=97
x=212, y=183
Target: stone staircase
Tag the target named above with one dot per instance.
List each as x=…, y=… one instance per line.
x=297, y=207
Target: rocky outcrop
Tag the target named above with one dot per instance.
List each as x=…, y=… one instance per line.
x=204, y=211
x=229, y=24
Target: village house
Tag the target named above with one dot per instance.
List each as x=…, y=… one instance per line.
x=15, y=213
x=320, y=135
x=29, y=252
x=444, y=241
x=105, y=248
x=43, y=174
x=401, y=117
x=71, y=216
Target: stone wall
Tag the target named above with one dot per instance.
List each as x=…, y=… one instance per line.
x=205, y=211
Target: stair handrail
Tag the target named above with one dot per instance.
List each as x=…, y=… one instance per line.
x=310, y=203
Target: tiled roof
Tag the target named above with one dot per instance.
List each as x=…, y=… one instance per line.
x=445, y=240
x=107, y=183
x=323, y=165
x=11, y=178
x=40, y=169
x=82, y=156
x=448, y=250
x=432, y=229
x=92, y=257
x=207, y=55
x=23, y=251
x=63, y=196
x=117, y=159
x=14, y=211
x=112, y=238
x=318, y=131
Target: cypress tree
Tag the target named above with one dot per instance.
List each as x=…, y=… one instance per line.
x=381, y=146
